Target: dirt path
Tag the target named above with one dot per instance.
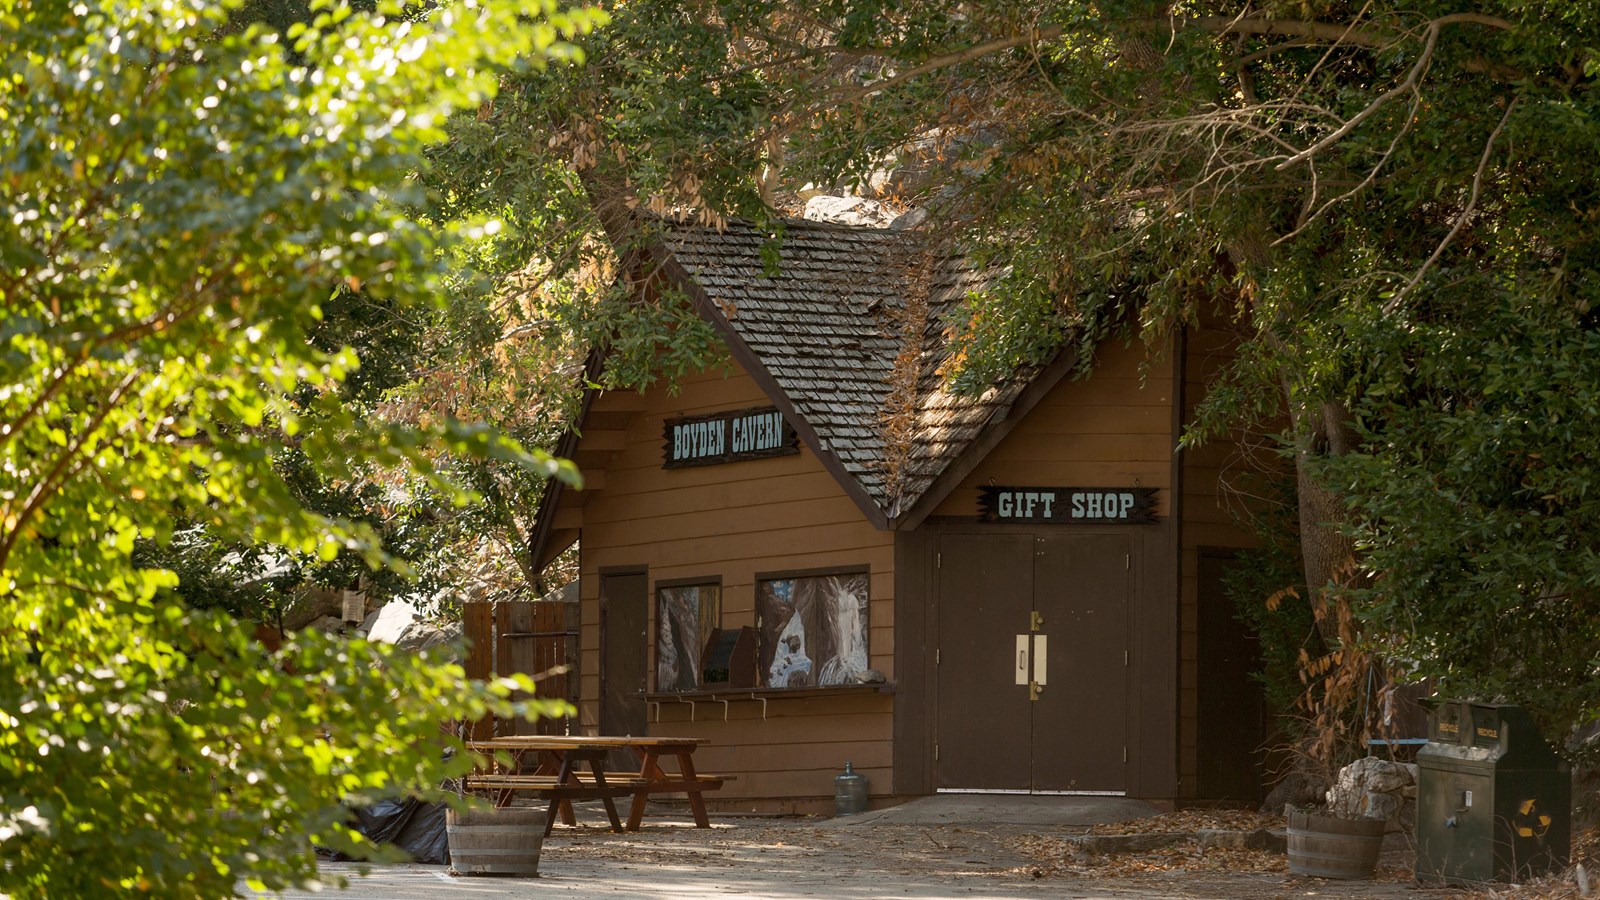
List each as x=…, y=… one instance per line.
x=795, y=858
x=799, y=859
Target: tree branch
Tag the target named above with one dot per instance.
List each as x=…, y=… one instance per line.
x=50, y=482
x=11, y=428
x=943, y=61
x=1309, y=215
x=1265, y=52
x=84, y=346
x=1461, y=220
x=1372, y=38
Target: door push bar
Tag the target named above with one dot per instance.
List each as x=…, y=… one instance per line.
x=1032, y=663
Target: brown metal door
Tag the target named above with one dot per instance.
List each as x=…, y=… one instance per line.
x=982, y=720
x=1080, y=721
x=623, y=639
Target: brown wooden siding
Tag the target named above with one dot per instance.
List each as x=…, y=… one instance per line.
x=1113, y=428
x=731, y=521
x=796, y=750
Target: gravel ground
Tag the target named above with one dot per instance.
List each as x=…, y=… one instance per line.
x=794, y=858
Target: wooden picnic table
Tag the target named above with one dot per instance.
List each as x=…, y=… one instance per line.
x=555, y=771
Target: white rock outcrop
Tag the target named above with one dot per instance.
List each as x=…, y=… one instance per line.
x=1378, y=788
x=395, y=618
x=400, y=623
x=858, y=211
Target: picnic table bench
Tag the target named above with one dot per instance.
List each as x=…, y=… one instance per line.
x=557, y=775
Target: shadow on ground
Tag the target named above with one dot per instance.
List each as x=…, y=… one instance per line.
x=949, y=846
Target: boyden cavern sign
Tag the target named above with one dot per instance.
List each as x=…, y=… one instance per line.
x=1068, y=505
x=727, y=437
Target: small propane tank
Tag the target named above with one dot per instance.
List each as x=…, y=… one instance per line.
x=849, y=792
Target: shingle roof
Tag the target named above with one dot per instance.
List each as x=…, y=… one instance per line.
x=829, y=323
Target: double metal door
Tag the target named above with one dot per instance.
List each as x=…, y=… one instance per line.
x=1032, y=659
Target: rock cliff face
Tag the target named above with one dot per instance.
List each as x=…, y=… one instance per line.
x=1378, y=788
x=857, y=211
x=399, y=623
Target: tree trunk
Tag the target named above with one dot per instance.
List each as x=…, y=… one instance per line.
x=1328, y=556
x=610, y=197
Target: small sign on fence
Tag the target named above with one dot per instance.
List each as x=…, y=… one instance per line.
x=355, y=605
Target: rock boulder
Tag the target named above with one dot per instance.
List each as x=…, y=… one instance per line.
x=1379, y=788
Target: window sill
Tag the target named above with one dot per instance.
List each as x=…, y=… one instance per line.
x=725, y=697
x=719, y=694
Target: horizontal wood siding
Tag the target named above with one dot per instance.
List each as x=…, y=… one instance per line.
x=729, y=522
x=796, y=750
x=1113, y=429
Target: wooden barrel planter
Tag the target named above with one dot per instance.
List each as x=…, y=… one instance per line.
x=1330, y=847
x=495, y=841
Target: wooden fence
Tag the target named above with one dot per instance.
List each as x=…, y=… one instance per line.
x=536, y=638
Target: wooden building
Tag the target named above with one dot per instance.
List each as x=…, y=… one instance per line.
x=816, y=554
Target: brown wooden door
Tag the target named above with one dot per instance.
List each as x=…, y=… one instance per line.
x=1230, y=716
x=982, y=725
x=1080, y=721
x=989, y=736
x=624, y=628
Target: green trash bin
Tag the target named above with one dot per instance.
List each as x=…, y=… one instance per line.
x=1494, y=801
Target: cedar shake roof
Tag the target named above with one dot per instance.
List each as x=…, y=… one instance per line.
x=828, y=324
x=822, y=333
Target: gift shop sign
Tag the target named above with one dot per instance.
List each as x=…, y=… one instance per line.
x=1068, y=505
x=727, y=437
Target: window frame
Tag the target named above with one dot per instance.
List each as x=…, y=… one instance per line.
x=763, y=640
x=703, y=581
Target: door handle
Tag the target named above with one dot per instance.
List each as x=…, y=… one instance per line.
x=1032, y=664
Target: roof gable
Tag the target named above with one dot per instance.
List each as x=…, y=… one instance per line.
x=849, y=329
x=846, y=336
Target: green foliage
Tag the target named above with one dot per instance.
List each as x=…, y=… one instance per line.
x=532, y=299
x=1384, y=196
x=527, y=302
x=178, y=202
x=246, y=581
x=1476, y=492
x=1266, y=585
x=187, y=758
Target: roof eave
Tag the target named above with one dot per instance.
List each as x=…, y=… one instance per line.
x=990, y=437
x=544, y=518
x=752, y=363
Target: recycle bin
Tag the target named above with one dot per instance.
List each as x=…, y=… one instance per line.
x=1494, y=801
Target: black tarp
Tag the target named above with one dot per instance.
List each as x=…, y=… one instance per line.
x=410, y=824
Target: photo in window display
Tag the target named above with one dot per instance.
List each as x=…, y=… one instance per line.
x=685, y=617
x=813, y=630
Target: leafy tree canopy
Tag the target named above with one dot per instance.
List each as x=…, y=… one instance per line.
x=1395, y=199
x=180, y=196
